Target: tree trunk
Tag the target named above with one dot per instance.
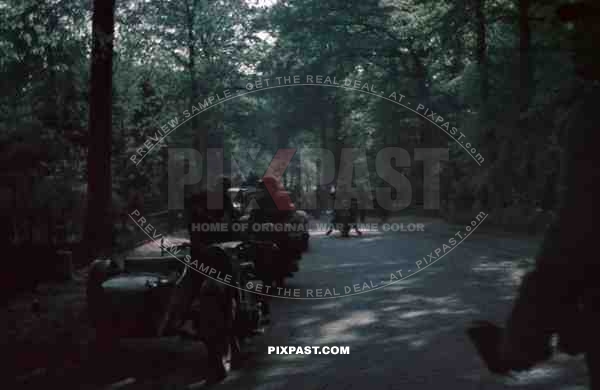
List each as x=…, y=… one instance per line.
x=481, y=54
x=335, y=134
x=525, y=84
x=200, y=140
x=525, y=69
x=499, y=188
x=98, y=224
x=329, y=142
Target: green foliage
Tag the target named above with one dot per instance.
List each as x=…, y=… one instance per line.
x=172, y=54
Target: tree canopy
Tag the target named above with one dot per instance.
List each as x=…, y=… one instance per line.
x=499, y=70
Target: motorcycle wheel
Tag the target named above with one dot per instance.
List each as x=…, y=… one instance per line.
x=224, y=355
x=259, y=317
x=231, y=356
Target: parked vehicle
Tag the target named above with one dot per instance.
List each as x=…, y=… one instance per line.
x=277, y=252
x=153, y=297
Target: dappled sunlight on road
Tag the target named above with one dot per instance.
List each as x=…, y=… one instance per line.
x=420, y=313
x=508, y=272
x=410, y=334
x=342, y=329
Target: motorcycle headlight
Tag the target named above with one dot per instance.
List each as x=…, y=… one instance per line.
x=151, y=283
x=154, y=283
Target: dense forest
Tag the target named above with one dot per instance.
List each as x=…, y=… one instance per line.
x=122, y=120
x=497, y=70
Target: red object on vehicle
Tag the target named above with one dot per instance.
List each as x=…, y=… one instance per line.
x=272, y=184
x=283, y=201
x=280, y=196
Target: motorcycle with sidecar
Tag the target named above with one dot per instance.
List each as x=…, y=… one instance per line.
x=160, y=296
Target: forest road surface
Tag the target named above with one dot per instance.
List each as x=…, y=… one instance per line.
x=409, y=335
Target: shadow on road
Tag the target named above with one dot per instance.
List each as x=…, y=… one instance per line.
x=408, y=335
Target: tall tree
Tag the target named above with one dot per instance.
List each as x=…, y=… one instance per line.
x=209, y=40
x=98, y=227
x=481, y=52
x=525, y=70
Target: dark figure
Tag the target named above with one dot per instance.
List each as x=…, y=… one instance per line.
x=204, y=209
x=338, y=218
x=220, y=335
x=562, y=295
x=271, y=200
x=354, y=212
x=273, y=207
x=331, y=224
x=333, y=220
x=223, y=213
